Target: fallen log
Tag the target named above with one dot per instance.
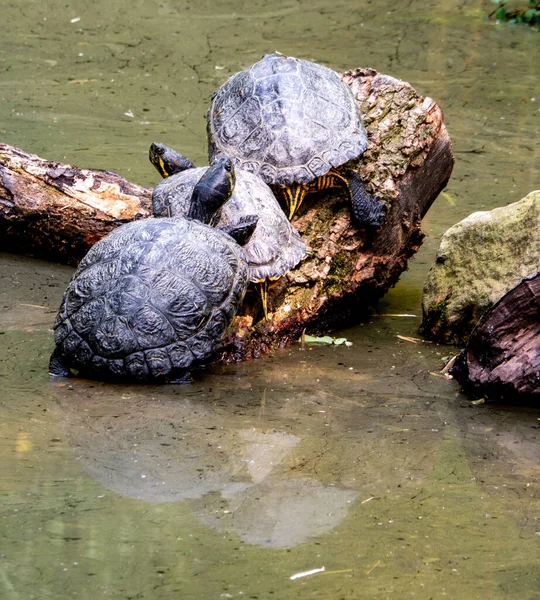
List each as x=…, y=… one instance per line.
x=58, y=211
x=502, y=356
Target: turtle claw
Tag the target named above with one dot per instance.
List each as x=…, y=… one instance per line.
x=179, y=379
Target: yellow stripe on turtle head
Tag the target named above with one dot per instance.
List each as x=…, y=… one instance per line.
x=161, y=167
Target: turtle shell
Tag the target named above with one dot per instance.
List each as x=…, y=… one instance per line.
x=275, y=246
x=286, y=120
x=150, y=299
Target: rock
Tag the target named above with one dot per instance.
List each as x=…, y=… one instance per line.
x=478, y=261
x=502, y=357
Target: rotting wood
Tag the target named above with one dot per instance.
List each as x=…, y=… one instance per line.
x=502, y=357
x=57, y=211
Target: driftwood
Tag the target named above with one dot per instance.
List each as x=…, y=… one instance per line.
x=502, y=357
x=58, y=211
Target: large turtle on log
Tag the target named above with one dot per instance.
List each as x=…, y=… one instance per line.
x=275, y=246
x=153, y=298
x=296, y=125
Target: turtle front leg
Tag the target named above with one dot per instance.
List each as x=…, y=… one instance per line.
x=57, y=365
x=242, y=231
x=368, y=211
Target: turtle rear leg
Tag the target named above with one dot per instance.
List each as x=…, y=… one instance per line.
x=263, y=292
x=58, y=366
x=178, y=378
x=294, y=196
x=242, y=231
x=368, y=211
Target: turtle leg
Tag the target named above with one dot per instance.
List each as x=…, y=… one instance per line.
x=57, y=365
x=179, y=378
x=263, y=291
x=242, y=231
x=294, y=196
x=368, y=211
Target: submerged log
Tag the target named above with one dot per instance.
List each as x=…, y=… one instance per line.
x=58, y=211
x=502, y=357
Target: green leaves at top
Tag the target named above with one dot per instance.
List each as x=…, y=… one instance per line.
x=528, y=16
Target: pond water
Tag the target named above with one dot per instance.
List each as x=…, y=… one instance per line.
x=360, y=459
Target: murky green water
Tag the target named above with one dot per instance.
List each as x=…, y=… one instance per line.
x=360, y=459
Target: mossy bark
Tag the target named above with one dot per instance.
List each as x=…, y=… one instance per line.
x=58, y=211
x=407, y=163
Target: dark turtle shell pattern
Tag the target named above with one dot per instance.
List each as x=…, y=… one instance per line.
x=150, y=299
x=286, y=120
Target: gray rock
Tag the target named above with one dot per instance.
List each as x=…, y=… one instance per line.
x=478, y=261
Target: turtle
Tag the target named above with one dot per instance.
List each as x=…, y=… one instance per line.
x=295, y=124
x=153, y=298
x=275, y=246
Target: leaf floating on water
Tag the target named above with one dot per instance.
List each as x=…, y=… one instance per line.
x=338, y=572
x=325, y=339
x=23, y=442
x=447, y=368
x=373, y=567
x=440, y=376
x=312, y=339
x=395, y=315
x=33, y=305
x=477, y=402
x=448, y=198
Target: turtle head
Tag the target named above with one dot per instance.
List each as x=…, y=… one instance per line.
x=167, y=161
x=214, y=188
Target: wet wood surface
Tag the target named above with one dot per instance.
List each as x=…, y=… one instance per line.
x=502, y=357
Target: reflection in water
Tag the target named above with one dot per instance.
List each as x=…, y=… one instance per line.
x=329, y=456
x=178, y=451
x=279, y=513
